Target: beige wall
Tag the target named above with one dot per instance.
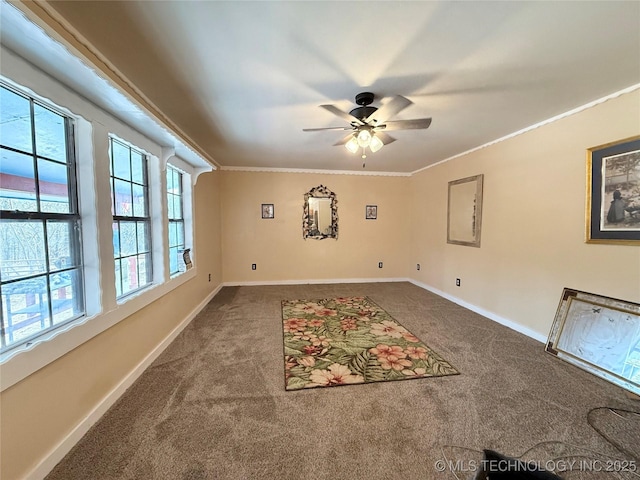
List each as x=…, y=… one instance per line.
x=533, y=224
x=277, y=246
x=41, y=410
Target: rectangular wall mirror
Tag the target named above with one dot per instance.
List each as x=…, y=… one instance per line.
x=464, y=211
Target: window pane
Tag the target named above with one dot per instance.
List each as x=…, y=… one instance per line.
x=177, y=206
x=15, y=121
x=17, y=182
x=173, y=260
x=118, y=278
x=51, y=139
x=121, y=161
x=129, y=269
x=139, y=201
x=25, y=308
x=143, y=238
x=60, y=240
x=66, y=301
x=170, y=210
x=144, y=268
x=22, y=253
x=54, y=188
x=123, y=198
x=128, y=242
x=169, y=179
x=173, y=234
x=180, y=226
x=137, y=167
x=116, y=239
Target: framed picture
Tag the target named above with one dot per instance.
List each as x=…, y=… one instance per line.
x=464, y=211
x=613, y=193
x=600, y=335
x=267, y=210
x=371, y=212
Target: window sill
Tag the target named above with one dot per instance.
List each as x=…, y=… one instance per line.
x=19, y=363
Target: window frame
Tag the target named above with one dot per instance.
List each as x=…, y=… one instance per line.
x=146, y=220
x=180, y=221
x=72, y=219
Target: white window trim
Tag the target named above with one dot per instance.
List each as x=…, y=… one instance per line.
x=93, y=127
x=187, y=207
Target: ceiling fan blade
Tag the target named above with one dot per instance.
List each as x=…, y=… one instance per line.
x=326, y=128
x=344, y=140
x=386, y=139
x=388, y=110
x=415, y=124
x=344, y=115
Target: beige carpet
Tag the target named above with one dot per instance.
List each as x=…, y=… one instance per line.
x=211, y=408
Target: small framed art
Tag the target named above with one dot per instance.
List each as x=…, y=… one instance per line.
x=267, y=210
x=371, y=212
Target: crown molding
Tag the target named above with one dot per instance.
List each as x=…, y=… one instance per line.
x=606, y=98
x=315, y=171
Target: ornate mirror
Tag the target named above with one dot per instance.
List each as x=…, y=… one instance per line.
x=320, y=214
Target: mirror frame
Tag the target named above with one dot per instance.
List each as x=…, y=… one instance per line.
x=319, y=192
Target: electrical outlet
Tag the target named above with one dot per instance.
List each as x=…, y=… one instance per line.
x=457, y=282
x=418, y=266
x=209, y=277
x=253, y=266
x=379, y=264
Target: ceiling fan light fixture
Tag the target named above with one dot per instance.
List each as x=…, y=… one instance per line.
x=364, y=138
x=352, y=144
x=376, y=144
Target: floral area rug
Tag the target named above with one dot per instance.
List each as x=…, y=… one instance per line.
x=349, y=340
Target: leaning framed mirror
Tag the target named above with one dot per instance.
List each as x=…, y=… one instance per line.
x=320, y=214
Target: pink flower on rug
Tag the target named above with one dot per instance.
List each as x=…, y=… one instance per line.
x=367, y=312
x=410, y=337
x=316, y=322
x=307, y=361
x=416, y=352
x=306, y=308
x=415, y=373
x=313, y=350
x=335, y=375
x=391, y=357
x=289, y=362
x=387, y=328
x=321, y=341
x=348, y=324
x=293, y=325
x=383, y=351
x=325, y=312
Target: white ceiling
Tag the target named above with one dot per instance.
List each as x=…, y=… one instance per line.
x=243, y=79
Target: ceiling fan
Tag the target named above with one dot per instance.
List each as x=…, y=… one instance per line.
x=368, y=124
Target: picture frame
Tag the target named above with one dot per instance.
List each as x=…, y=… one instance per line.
x=464, y=211
x=613, y=193
x=371, y=212
x=600, y=335
x=267, y=210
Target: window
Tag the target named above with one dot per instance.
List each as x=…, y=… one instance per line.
x=175, y=211
x=131, y=219
x=40, y=247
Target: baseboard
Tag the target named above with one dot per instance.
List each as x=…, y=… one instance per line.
x=66, y=444
x=490, y=315
x=314, y=281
